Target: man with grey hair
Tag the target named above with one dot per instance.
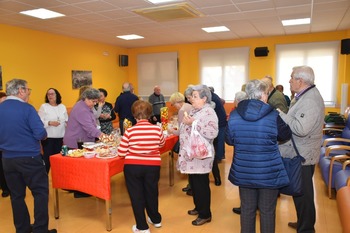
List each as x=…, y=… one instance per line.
x=157, y=100
x=276, y=99
x=305, y=118
x=123, y=105
x=21, y=132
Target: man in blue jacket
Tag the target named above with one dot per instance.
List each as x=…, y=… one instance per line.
x=21, y=132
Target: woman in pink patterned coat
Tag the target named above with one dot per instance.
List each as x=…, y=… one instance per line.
x=199, y=169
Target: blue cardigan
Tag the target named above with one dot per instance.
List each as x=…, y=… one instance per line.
x=254, y=129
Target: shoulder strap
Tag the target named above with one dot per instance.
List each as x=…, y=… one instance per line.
x=296, y=150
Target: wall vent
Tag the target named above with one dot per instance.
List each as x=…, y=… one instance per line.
x=169, y=12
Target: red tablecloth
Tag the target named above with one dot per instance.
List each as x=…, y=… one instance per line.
x=92, y=176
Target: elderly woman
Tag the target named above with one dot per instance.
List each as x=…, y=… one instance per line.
x=178, y=101
x=199, y=169
x=140, y=145
x=81, y=125
x=54, y=116
x=107, y=113
x=254, y=130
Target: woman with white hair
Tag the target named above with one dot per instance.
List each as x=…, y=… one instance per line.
x=199, y=169
x=254, y=130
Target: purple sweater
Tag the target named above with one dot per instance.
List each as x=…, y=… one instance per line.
x=81, y=125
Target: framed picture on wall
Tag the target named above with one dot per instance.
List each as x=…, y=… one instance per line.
x=81, y=78
x=1, y=78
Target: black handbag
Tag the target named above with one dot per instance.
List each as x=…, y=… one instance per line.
x=293, y=167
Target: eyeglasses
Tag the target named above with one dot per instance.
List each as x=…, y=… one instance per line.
x=28, y=89
x=51, y=93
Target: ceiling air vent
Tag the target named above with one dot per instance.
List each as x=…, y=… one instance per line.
x=169, y=12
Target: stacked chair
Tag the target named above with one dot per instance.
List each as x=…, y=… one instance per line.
x=334, y=152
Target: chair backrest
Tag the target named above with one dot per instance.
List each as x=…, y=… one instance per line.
x=346, y=130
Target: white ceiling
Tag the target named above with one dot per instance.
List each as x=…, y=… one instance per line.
x=103, y=20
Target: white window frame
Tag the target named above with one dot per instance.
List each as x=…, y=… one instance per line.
x=321, y=56
x=157, y=69
x=224, y=69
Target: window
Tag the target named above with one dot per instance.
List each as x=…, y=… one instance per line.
x=321, y=56
x=224, y=69
x=157, y=69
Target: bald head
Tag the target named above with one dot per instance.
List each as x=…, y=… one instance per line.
x=156, y=90
x=126, y=86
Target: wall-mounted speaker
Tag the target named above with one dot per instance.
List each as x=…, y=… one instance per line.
x=261, y=51
x=345, y=46
x=123, y=60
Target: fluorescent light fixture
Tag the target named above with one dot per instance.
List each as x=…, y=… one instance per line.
x=216, y=29
x=130, y=37
x=42, y=13
x=161, y=1
x=292, y=22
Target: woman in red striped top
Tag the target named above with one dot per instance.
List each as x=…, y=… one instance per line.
x=140, y=145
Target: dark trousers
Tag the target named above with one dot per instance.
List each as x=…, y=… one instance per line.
x=3, y=183
x=201, y=194
x=304, y=204
x=251, y=200
x=142, y=184
x=51, y=146
x=219, y=147
x=28, y=172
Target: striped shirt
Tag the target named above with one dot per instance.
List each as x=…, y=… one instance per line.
x=140, y=144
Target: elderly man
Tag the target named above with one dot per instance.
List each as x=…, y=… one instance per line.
x=305, y=119
x=123, y=105
x=157, y=101
x=21, y=131
x=276, y=99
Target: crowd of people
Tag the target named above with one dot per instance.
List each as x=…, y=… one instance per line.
x=260, y=128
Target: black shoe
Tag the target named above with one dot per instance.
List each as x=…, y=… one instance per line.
x=293, y=225
x=192, y=212
x=237, y=210
x=186, y=188
x=5, y=193
x=80, y=194
x=201, y=221
x=189, y=192
x=217, y=181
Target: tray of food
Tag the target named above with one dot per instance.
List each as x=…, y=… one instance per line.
x=75, y=153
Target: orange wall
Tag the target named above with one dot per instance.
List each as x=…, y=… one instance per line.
x=46, y=60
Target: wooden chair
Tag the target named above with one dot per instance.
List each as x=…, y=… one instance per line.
x=343, y=203
x=332, y=163
x=340, y=179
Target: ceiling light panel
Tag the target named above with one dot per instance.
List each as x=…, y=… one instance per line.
x=130, y=37
x=42, y=13
x=216, y=29
x=293, y=22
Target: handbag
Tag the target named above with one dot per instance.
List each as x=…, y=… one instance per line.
x=293, y=168
x=198, y=147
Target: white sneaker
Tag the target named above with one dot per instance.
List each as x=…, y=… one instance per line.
x=157, y=225
x=135, y=230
